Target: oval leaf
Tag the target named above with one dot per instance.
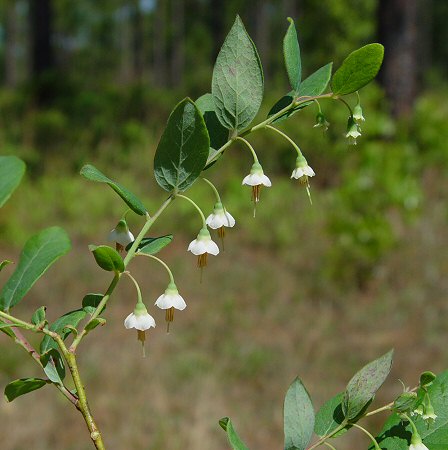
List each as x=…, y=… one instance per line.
x=107, y=258
x=218, y=134
x=22, y=386
x=358, y=69
x=291, y=53
x=90, y=302
x=39, y=315
x=316, y=83
x=59, y=326
x=330, y=416
x=362, y=387
x=151, y=246
x=53, y=366
x=183, y=148
x=298, y=417
x=234, y=440
x=93, y=174
x=237, y=82
x=39, y=253
x=11, y=173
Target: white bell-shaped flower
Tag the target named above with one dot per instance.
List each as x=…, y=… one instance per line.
x=202, y=246
x=353, y=131
x=121, y=235
x=256, y=179
x=140, y=319
x=357, y=113
x=171, y=299
x=220, y=219
x=302, y=170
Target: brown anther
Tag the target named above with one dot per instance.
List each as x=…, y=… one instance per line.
x=119, y=247
x=221, y=232
x=256, y=193
x=141, y=336
x=202, y=260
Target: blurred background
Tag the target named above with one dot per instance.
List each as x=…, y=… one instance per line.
x=315, y=291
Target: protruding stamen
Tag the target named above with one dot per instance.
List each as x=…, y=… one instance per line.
x=141, y=337
x=169, y=317
x=221, y=234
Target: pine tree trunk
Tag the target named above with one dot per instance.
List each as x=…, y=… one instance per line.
x=11, y=41
x=398, y=32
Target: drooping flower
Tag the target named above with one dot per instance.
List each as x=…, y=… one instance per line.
x=220, y=219
x=353, y=131
x=302, y=170
x=429, y=414
x=140, y=320
x=321, y=122
x=121, y=235
x=357, y=113
x=169, y=301
x=256, y=179
x=418, y=445
x=202, y=246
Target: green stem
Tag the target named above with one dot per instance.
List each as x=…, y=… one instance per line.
x=145, y=229
x=250, y=148
x=218, y=197
x=375, y=443
x=329, y=435
x=329, y=445
x=414, y=428
x=137, y=287
x=297, y=102
x=83, y=406
x=96, y=313
x=204, y=224
x=161, y=262
x=270, y=127
x=346, y=104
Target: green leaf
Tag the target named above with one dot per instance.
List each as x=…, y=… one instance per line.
x=237, y=82
x=90, y=302
x=107, y=258
x=330, y=416
x=6, y=328
x=11, y=173
x=4, y=325
x=151, y=246
x=39, y=315
x=183, y=148
x=4, y=263
x=93, y=174
x=316, y=83
x=22, y=386
x=312, y=86
x=362, y=387
x=234, y=440
x=298, y=417
x=218, y=134
x=291, y=53
x=53, y=365
x=39, y=253
x=426, y=378
x=358, y=69
x=396, y=435
x=94, y=323
x=71, y=318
